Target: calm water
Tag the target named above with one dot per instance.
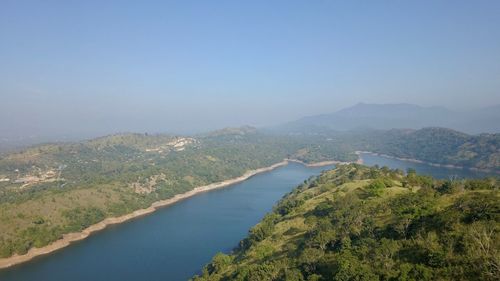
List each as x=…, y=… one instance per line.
x=172, y=243
x=424, y=169
x=175, y=242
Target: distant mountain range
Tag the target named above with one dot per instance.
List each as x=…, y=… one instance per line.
x=364, y=116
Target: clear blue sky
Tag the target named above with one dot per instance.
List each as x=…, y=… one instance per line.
x=96, y=67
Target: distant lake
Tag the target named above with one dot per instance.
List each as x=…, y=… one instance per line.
x=175, y=242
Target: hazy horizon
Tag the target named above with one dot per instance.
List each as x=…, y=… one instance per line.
x=88, y=68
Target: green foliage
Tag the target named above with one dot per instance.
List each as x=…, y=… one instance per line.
x=287, y=205
x=219, y=262
x=81, y=218
x=110, y=167
x=435, y=145
x=376, y=187
x=263, y=229
x=413, y=233
x=33, y=236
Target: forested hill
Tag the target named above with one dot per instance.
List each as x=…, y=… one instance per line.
x=52, y=189
x=436, y=145
x=359, y=223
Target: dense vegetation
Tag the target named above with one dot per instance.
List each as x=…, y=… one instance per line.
x=434, y=145
x=359, y=223
x=52, y=189
x=438, y=145
x=55, y=189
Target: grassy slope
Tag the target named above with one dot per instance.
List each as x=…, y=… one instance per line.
x=357, y=223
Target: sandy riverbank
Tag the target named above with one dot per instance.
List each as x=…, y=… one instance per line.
x=73, y=237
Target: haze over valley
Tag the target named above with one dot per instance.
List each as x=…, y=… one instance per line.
x=249, y=140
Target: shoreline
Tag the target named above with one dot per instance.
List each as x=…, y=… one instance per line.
x=77, y=236
x=426, y=163
x=324, y=163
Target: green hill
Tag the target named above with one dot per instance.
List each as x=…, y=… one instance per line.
x=439, y=145
x=53, y=189
x=434, y=145
x=359, y=223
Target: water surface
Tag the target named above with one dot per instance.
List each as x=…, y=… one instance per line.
x=422, y=168
x=172, y=243
x=175, y=242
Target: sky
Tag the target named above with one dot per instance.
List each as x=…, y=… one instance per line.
x=88, y=68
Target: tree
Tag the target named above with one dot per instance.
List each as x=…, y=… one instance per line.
x=219, y=262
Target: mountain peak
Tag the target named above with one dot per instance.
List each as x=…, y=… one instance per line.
x=398, y=115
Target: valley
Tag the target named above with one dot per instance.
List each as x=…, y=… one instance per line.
x=360, y=223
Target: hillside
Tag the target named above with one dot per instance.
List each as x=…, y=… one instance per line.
x=364, y=116
x=436, y=145
x=359, y=223
x=53, y=189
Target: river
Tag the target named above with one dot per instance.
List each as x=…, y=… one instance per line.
x=172, y=243
x=176, y=241
x=422, y=168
